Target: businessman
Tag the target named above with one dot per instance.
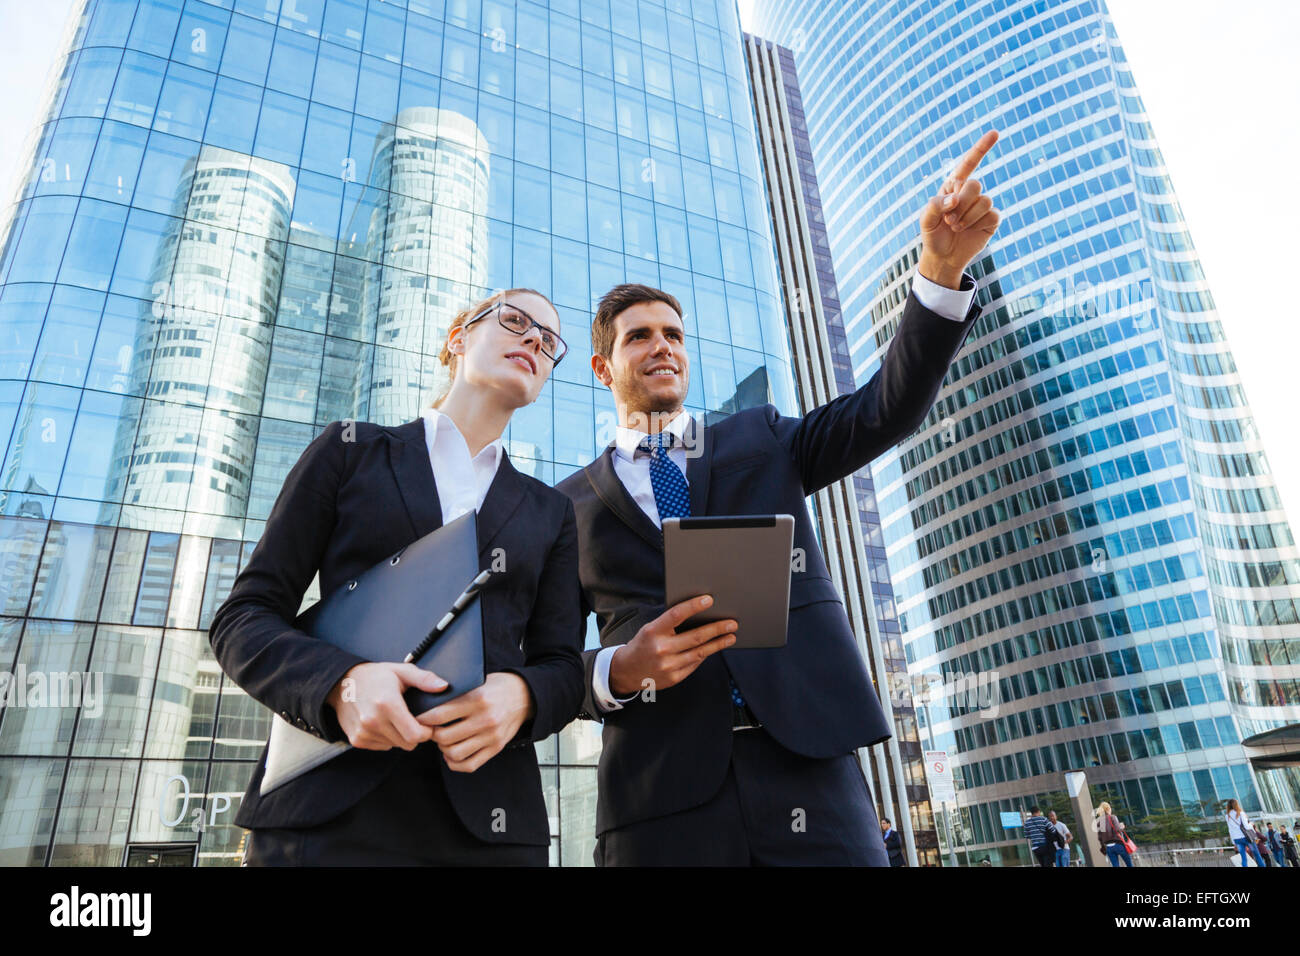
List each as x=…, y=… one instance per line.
x=744, y=757
x=893, y=842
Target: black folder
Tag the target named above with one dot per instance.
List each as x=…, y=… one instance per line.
x=383, y=615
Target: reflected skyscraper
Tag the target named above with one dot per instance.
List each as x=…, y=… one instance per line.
x=203, y=349
x=432, y=242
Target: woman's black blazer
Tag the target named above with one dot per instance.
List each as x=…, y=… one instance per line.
x=360, y=493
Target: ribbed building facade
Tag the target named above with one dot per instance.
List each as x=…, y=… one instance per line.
x=245, y=219
x=1087, y=521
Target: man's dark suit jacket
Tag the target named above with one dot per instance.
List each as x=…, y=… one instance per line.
x=345, y=506
x=814, y=695
x=894, y=847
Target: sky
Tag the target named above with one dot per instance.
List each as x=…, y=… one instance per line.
x=1220, y=82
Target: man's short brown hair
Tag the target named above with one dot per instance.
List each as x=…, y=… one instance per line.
x=614, y=302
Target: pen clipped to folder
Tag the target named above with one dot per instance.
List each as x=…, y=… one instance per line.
x=457, y=606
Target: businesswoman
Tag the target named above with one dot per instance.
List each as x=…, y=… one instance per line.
x=459, y=784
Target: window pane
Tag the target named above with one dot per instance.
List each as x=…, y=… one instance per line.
x=202, y=36
x=113, y=171
x=29, y=794
x=183, y=103
x=92, y=249
x=248, y=50
x=44, y=726
x=22, y=311
x=95, y=813
x=89, y=90
x=135, y=94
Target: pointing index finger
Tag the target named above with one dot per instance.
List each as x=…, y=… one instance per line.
x=966, y=165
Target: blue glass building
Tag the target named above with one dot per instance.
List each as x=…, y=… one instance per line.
x=245, y=219
x=1087, y=519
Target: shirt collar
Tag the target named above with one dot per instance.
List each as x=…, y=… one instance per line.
x=626, y=439
x=436, y=420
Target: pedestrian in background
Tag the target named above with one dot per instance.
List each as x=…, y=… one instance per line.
x=893, y=843
x=1110, y=833
x=1241, y=833
x=1063, y=847
x=1042, y=837
x=1288, y=847
x=1262, y=845
x=1275, y=845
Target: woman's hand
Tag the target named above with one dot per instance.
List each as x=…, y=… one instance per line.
x=371, y=710
x=474, y=728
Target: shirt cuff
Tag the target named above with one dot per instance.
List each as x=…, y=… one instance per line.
x=605, y=700
x=949, y=303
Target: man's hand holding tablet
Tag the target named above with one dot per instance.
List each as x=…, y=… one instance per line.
x=659, y=653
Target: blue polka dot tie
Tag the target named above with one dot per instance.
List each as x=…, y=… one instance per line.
x=672, y=496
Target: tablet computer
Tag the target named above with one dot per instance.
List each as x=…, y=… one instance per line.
x=743, y=561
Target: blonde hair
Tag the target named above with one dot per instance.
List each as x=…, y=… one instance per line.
x=452, y=360
x=1103, y=808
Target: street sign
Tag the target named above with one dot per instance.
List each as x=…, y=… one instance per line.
x=938, y=773
x=1011, y=819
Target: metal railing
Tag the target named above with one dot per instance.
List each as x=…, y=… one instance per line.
x=1202, y=856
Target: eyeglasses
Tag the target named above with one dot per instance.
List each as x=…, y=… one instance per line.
x=516, y=320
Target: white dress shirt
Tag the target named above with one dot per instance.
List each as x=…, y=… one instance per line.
x=939, y=299
x=634, y=471
x=462, y=482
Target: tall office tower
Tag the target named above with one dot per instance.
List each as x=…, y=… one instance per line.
x=1087, y=518
x=245, y=219
x=431, y=233
x=847, y=522
x=207, y=335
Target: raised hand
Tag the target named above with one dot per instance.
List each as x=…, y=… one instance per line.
x=958, y=221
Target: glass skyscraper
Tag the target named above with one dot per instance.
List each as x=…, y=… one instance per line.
x=1087, y=518
x=244, y=219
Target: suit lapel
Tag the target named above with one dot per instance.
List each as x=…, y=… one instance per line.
x=504, y=497
x=610, y=490
x=699, y=452
x=409, y=457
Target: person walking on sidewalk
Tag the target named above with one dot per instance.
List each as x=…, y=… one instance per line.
x=1110, y=833
x=1042, y=837
x=1241, y=833
x=1288, y=846
x=1063, y=846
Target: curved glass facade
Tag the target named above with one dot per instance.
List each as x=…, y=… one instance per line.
x=1087, y=520
x=245, y=219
